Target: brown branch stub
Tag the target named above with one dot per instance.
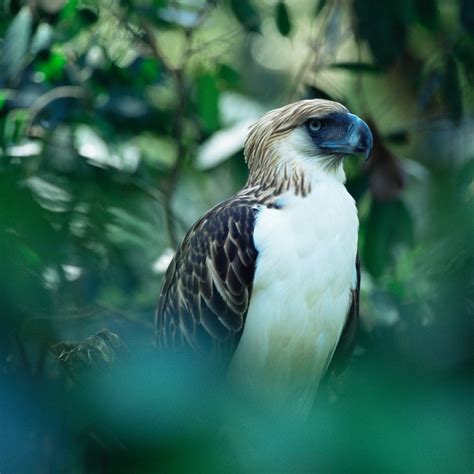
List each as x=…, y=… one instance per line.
x=93, y=353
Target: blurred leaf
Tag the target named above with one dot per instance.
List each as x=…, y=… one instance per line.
x=386, y=174
x=389, y=225
x=51, y=196
x=451, y=90
x=87, y=16
x=229, y=75
x=3, y=98
x=181, y=16
x=69, y=11
x=428, y=13
x=314, y=92
x=207, y=101
x=53, y=67
x=15, y=46
x=282, y=18
x=384, y=26
x=222, y=145
x=319, y=8
x=466, y=15
x=42, y=39
x=51, y=7
x=150, y=70
x=397, y=137
x=464, y=52
x=357, y=67
x=247, y=15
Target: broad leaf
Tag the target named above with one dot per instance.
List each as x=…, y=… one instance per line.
x=16, y=44
x=282, y=19
x=247, y=15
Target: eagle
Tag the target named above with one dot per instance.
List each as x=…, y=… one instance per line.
x=266, y=283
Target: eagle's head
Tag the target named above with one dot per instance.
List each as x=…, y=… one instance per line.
x=309, y=137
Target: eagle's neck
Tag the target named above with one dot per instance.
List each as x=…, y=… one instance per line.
x=278, y=173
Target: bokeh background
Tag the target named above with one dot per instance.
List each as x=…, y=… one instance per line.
x=121, y=122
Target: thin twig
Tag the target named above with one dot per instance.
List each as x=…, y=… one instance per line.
x=178, y=75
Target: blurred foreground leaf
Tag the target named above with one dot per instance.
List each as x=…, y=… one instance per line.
x=282, y=18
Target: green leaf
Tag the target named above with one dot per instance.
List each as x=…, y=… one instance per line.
x=282, y=19
x=53, y=67
x=247, y=15
x=357, y=67
x=320, y=6
x=228, y=75
x=16, y=44
x=207, y=101
x=3, y=98
x=69, y=11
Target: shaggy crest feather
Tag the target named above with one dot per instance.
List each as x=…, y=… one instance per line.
x=261, y=151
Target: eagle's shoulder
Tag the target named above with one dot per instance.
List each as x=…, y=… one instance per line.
x=207, y=288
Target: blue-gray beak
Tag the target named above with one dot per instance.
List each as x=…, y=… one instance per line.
x=346, y=134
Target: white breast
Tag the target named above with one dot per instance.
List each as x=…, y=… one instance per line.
x=301, y=293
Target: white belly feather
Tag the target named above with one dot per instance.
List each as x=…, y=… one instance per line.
x=301, y=293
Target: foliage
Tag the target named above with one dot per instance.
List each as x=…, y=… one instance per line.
x=120, y=123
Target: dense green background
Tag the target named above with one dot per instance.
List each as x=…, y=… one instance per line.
x=120, y=123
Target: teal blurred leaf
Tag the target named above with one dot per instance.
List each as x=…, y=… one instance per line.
x=16, y=44
x=247, y=15
x=282, y=18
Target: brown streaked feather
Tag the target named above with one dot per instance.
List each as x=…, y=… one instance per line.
x=206, y=291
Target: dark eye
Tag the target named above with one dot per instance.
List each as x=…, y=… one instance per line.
x=314, y=125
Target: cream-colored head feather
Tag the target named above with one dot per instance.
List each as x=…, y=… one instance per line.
x=263, y=147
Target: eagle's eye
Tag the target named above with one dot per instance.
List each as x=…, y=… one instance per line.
x=314, y=125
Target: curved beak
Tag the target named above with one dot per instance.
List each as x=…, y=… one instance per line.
x=353, y=136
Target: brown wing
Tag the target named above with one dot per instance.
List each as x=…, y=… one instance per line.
x=346, y=342
x=206, y=291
